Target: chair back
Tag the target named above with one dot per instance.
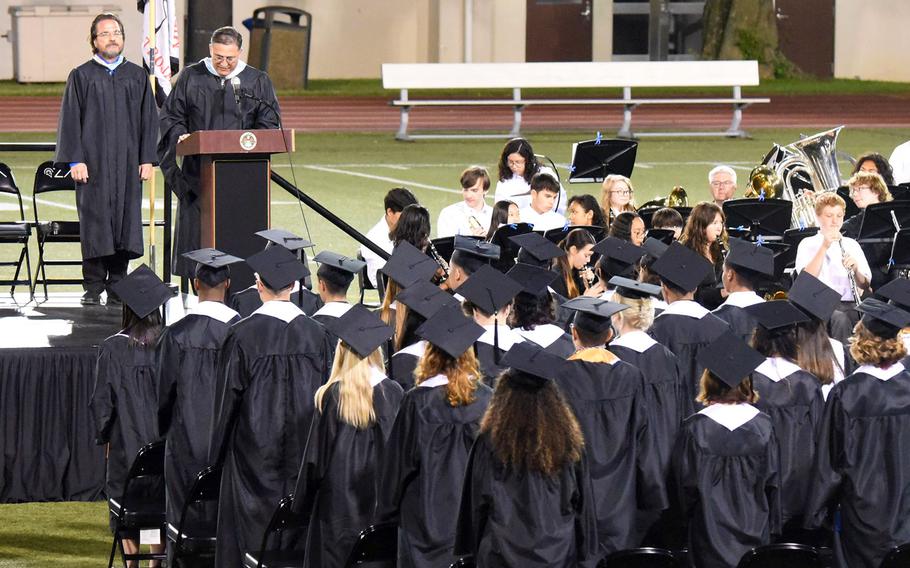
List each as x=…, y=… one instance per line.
x=148, y=466
x=205, y=489
x=53, y=177
x=641, y=558
x=284, y=517
x=377, y=546
x=782, y=555
x=7, y=180
x=899, y=557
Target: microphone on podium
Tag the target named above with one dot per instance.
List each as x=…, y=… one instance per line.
x=235, y=84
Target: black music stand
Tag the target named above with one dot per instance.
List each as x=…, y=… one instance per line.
x=899, y=192
x=851, y=209
x=766, y=218
x=593, y=160
x=666, y=236
x=646, y=213
x=900, y=251
x=879, y=221
x=559, y=233
x=508, y=250
x=793, y=237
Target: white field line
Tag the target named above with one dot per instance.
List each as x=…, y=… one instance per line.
x=396, y=181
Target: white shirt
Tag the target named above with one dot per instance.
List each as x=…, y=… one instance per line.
x=741, y=299
x=900, y=163
x=542, y=221
x=518, y=191
x=379, y=234
x=832, y=272
x=456, y=219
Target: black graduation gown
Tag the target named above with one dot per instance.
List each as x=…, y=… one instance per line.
x=337, y=480
x=489, y=356
x=862, y=465
x=527, y=519
x=727, y=484
x=270, y=370
x=110, y=123
x=423, y=471
x=123, y=405
x=685, y=336
x=202, y=101
x=189, y=354
x=247, y=301
x=739, y=320
x=610, y=405
x=403, y=363
x=551, y=338
x=332, y=311
x=795, y=405
x=708, y=293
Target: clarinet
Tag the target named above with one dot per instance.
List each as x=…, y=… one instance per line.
x=588, y=274
x=850, y=276
x=443, y=265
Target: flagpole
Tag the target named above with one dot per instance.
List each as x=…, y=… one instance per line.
x=152, y=39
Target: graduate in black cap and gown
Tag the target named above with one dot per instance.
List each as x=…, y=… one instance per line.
x=608, y=398
x=355, y=410
x=685, y=327
x=817, y=352
x=246, y=301
x=726, y=461
x=534, y=310
x=425, y=458
x=333, y=279
x=527, y=498
x=189, y=353
x=898, y=292
x=125, y=395
x=467, y=258
x=272, y=364
x=862, y=467
x=745, y=267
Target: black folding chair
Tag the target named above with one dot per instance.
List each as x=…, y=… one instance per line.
x=899, y=557
x=15, y=232
x=284, y=518
x=142, y=504
x=50, y=178
x=782, y=555
x=376, y=547
x=194, y=535
x=364, y=284
x=464, y=562
x=641, y=558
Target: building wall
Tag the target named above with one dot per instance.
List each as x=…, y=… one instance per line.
x=871, y=40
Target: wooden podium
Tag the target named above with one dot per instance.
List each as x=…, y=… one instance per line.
x=234, y=189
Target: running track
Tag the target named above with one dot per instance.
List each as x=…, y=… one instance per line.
x=348, y=114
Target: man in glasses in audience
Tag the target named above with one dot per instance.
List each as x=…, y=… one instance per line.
x=722, y=181
x=220, y=92
x=106, y=133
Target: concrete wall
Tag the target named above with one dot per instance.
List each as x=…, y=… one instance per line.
x=871, y=39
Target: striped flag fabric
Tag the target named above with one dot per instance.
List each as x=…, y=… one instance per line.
x=167, y=44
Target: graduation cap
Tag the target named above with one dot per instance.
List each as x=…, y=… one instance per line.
x=426, y=298
x=883, y=319
x=489, y=289
x=408, y=265
x=898, y=291
x=730, y=359
x=450, y=330
x=813, y=296
x=750, y=256
x=535, y=366
x=618, y=255
x=533, y=279
x=682, y=267
x=593, y=314
x=142, y=291
x=362, y=330
x=776, y=314
x=212, y=266
x=628, y=288
x=277, y=267
x=537, y=246
x=284, y=238
x=655, y=248
x=477, y=247
x=593, y=160
x=337, y=268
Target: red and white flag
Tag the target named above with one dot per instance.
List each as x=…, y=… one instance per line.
x=167, y=44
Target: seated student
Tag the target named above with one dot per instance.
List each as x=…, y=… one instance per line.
x=898, y=293
x=124, y=398
x=189, y=354
x=745, y=267
x=685, y=327
x=706, y=235
x=355, y=410
x=585, y=211
x=471, y=215
x=517, y=167
x=393, y=204
x=793, y=398
x=424, y=461
x=272, y=364
x=617, y=258
x=530, y=444
x=862, y=469
x=576, y=276
x=245, y=302
x=725, y=461
x=534, y=310
x=608, y=397
x=469, y=255
x=616, y=196
x=869, y=188
x=539, y=212
x=333, y=278
x=488, y=299
x=668, y=218
x=629, y=227
x=536, y=250
x=505, y=212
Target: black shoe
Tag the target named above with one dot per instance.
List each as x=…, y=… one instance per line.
x=90, y=299
x=113, y=301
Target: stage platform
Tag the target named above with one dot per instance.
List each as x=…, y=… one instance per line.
x=47, y=363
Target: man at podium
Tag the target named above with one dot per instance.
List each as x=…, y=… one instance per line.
x=220, y=92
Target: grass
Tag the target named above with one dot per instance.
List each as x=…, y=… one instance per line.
x=69, y=535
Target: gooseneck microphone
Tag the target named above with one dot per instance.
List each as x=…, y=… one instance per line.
x=235, y=84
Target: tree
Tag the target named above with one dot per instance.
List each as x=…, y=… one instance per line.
x=745, y=29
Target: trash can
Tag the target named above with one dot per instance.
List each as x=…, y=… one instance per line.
x=280, y=44
x=49, y=41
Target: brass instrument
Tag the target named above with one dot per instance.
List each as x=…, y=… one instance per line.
x=851, y=277
x=443, y=265
x=676, y=198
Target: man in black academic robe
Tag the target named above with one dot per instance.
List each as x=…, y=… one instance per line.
x=106, y=133
x=204, y=99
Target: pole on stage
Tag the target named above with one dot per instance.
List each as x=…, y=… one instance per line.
x=153, y=42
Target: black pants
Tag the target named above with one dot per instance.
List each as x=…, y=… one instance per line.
x=100, y=273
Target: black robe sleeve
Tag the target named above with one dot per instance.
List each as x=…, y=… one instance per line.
x=103, y=403
x=232, y=382
x=475, y=506
x=825, y=489
x=400, y=463
x=317, y=455
x=69, y=128
x=168, y=363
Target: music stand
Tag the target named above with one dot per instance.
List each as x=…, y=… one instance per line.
x=646, y=213
x=851, y=209
x=666, y=236
x=559, y=233
x=878, y=224
x=900, y=251
x=767, y=218
x=508, y=250
x=593, y=160
x=793, y=237
x=899, y=192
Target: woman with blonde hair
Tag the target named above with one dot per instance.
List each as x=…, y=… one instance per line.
x=616, y=195
x=425, y=459
x=355, y=410
x=706, y=233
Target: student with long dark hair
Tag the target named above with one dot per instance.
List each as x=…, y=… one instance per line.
x=585, y=211
x=576, y=276
x=505, y=212
x=534, y=310
x=706, y=234
x=517, y=165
